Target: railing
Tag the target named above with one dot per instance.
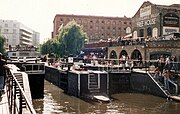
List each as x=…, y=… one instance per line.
x=34, y=68
x=18, y=101
x=176, y=86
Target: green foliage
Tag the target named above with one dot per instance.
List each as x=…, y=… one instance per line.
x=2, y=42
x=72, y=38
x=69, y=41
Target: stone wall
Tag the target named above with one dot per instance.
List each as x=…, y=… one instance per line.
x=141, y=82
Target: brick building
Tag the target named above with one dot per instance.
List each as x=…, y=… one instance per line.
x=96, y=27
x=152, y=20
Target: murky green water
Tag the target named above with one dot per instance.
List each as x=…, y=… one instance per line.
x=57, y=102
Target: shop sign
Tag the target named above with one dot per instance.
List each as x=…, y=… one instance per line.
x=146, y=22
x=167, y=30
x=171, y=20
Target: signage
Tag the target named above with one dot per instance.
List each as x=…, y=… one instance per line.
x=145, y=11
x=146, y=22
x=168, y=30
x=70, y=59
x=171, y=20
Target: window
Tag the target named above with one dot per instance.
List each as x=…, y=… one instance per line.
x=108, y=22
x=102, y=21
x=102, y=28
x=114, y=35
x=119, y=28
x=5, y=30
x=97, y=27
x=14, y=25
x=6, y=25
x=61, y=19
x=124, y=29
x=91, y=21
x=114, y=22
x=108, y=28
x=14, y=30
x=125, y=23
x=91, y=27
x=96, y=35
x=114, y=29
x=102, y=35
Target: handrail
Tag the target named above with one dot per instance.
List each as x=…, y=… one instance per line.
x=16, y=100
x=176, y=86
x=157, y=83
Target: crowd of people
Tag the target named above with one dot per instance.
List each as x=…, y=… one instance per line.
x=164, y=69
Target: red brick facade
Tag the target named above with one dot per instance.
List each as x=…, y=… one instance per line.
x=152, y=20
x=96, y=27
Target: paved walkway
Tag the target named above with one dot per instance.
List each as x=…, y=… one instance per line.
x=4, y=107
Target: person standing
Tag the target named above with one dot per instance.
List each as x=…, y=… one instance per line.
x=166, y=75
x=2, y=73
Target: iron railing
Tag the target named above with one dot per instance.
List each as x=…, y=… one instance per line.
x=17, y=99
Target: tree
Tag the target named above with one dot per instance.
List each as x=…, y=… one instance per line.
x=2, y=42
x=72, y=38
x=69, y=41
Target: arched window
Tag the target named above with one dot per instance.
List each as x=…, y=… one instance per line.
x=149, y=31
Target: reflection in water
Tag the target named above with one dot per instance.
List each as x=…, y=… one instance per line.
x=57, y=102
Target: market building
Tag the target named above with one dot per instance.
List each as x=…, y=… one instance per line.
x=97, y=27
x=154, y=21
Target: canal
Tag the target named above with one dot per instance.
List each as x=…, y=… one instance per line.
x=55, y=101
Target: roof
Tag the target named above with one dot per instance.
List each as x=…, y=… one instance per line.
x=173, y=6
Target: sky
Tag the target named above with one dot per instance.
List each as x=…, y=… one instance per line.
x=39, y=14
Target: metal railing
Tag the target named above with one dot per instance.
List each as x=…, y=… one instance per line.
x=17, y=100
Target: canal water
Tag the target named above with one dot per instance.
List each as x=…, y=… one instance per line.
x=55, y=101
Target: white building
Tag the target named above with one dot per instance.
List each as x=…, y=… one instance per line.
x=17, y=33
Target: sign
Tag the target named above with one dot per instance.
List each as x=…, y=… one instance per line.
x=145, y=11
x=167, y=30
x=146, y=22
x=171, y=20
x=70, y=59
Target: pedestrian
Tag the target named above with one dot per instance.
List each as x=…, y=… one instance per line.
x=166, y=75
x=161, y=63
x=2, y=73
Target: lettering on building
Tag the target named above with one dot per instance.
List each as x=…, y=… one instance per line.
x=171, y=20
x=146, y=22
x=145, y=11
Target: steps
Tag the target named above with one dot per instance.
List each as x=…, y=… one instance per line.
x=93, y=82
x=20, y=81
x=167, y=92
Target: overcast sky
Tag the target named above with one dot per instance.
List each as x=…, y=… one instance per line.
x=39, y=14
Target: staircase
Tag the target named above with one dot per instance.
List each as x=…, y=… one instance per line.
x=93, y=83
x=20, y=81
x=168, y=93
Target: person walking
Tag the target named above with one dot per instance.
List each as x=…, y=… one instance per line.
x=2, y=73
